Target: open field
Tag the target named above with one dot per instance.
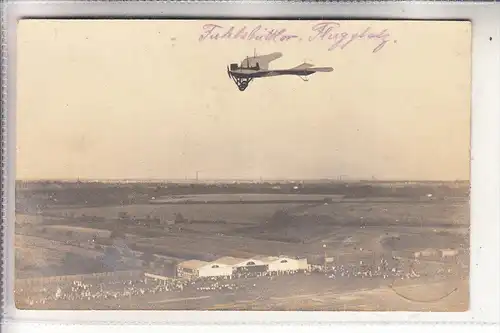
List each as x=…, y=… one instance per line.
x=423, y=214
x=85, y=233
x=438, y=296
x=295, y=292
x=36, y=256
x=244, y=230
x=246, y=198
x=355, y=232
x=235, y=213
x=336, y=242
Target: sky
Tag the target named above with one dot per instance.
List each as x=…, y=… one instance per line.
x=145, y=99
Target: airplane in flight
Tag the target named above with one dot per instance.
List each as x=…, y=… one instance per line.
x=258, y=67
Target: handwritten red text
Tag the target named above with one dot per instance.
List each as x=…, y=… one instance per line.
x=331, y=31
x=258, y=33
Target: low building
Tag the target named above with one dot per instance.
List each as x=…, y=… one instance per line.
x=425, y=253
x=328, y=260
x=216, y=270
x=241, y=265
x=190, y=268
x=289, y=264
x=446, y=253
x=428, y=252
x=283, y=263
x=252, y=265
x=198, y=268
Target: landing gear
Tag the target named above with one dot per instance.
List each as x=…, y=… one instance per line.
x=241, y=82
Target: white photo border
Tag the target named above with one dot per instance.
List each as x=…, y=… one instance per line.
x=485, y=161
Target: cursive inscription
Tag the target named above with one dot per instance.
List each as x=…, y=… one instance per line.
x=332, y=33
x=258, y=33
x=340, y=39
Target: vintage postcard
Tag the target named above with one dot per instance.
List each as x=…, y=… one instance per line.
x=243, y=165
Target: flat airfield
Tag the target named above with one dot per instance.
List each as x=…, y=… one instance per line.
x=299, y=292
x=351, y=230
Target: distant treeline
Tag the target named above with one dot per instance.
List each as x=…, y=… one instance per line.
x=99, y=194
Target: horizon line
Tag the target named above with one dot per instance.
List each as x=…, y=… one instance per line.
x=337, y=179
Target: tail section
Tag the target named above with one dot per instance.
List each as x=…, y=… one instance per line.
x=322, y=69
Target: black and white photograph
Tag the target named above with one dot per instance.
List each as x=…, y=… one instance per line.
x=264, y=165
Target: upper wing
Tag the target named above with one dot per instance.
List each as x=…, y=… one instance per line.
x=262, y=61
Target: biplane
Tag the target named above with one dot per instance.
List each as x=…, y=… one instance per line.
x=258, y=67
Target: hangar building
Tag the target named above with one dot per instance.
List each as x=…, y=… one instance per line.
x=283, y=263
x=227, y=266
x=198, y=268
